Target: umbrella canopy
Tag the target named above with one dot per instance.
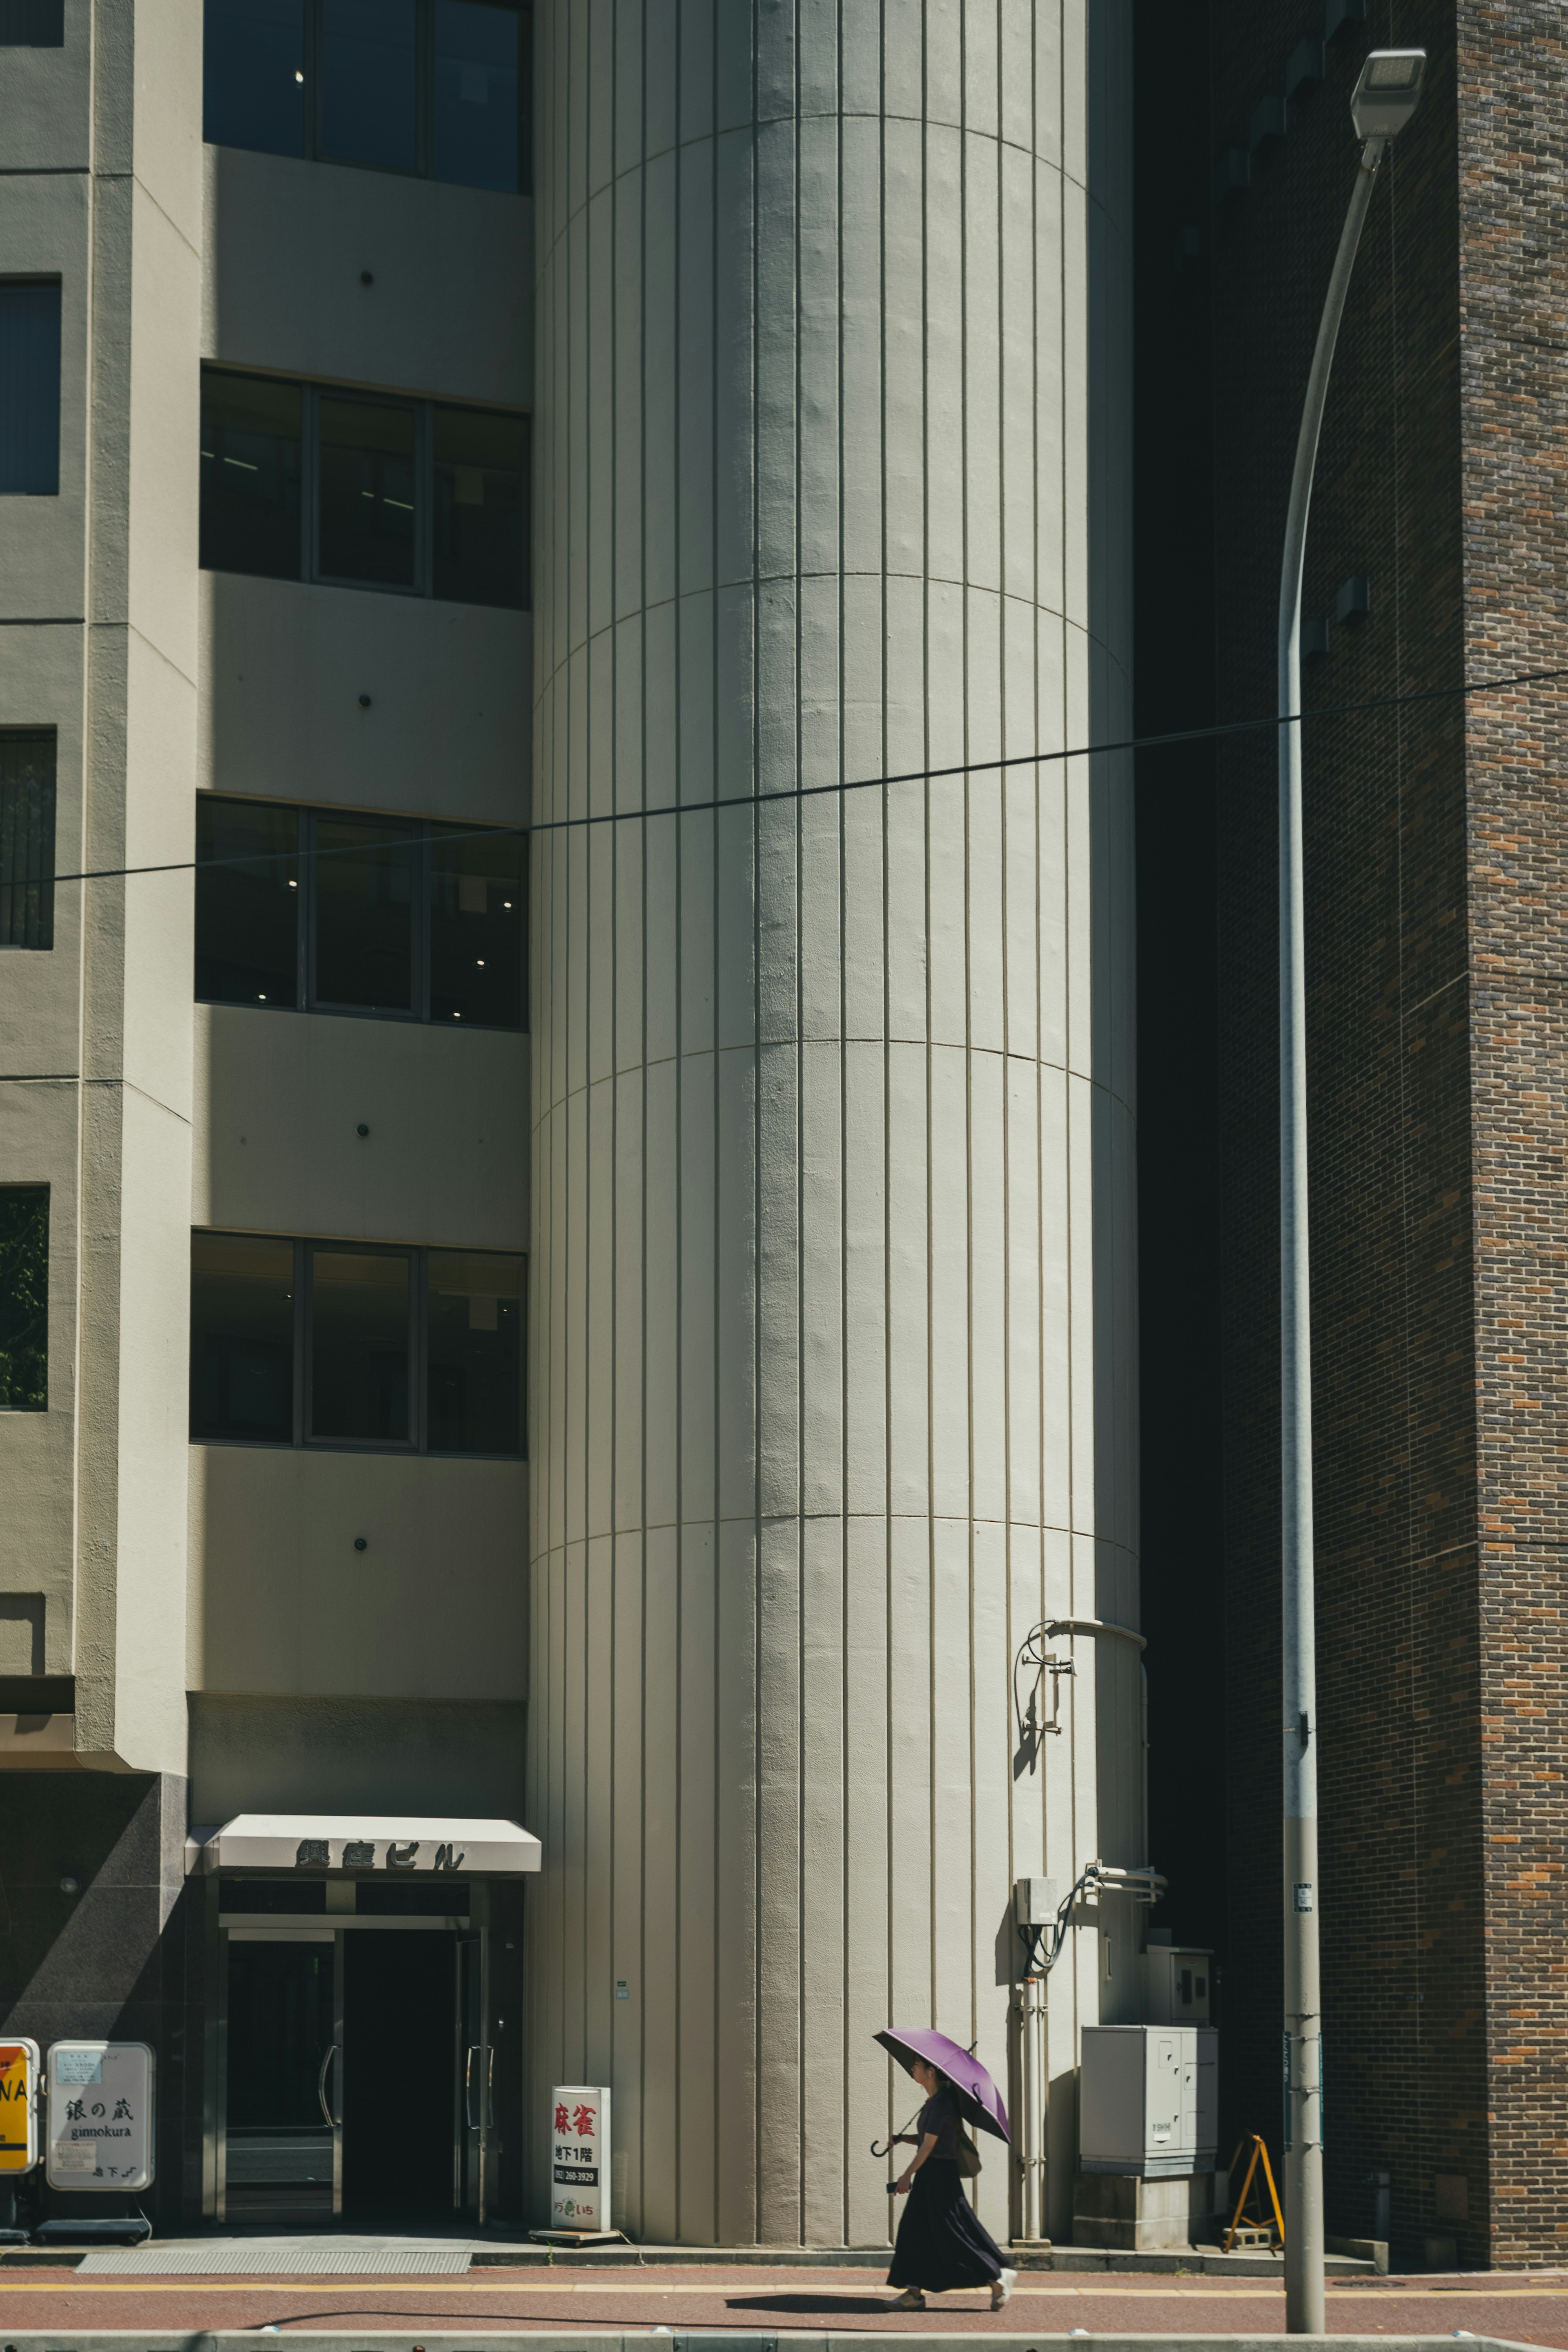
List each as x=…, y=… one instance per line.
x=979, y=2101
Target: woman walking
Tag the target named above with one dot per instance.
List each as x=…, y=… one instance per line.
x=942, y=2241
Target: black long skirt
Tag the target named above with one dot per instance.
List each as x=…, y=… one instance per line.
x=942, y=2241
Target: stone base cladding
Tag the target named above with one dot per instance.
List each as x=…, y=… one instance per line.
x=1436, y=970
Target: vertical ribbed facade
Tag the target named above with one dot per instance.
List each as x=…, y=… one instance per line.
x=835, y=1349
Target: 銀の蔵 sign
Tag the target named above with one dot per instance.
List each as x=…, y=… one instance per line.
x=579, y=2157
x=100, y=2115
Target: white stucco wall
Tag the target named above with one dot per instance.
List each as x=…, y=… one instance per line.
x=835, y=1375
x=103, y=140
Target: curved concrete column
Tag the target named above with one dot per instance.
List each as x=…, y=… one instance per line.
x=834, y=1372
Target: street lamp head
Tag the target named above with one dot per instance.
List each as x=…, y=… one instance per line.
x=1387, y=92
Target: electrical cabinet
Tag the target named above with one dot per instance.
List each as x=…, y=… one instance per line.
x=1179, y=1976
x=1148, y=2100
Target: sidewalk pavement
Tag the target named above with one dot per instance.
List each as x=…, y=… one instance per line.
x=55, y=2306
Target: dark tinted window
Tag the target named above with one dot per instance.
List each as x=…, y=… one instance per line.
x=475, y=1320
x=254, y=74
x=364, y=913
x=367, y=493
x=476, y=930
x=480, y=481
x=24, y=1297
x=26, y=841
x=358, y=1345
x=248, y=903
x=477, y=115
x=32, y=24
x=30, y=386
x=242, y=1337
x=250, y=474
x=368, y=104
x=272, y=1895
x=409, y=497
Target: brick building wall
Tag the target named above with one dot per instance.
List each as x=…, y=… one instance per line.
x=1434, y=980
x=1514, y=361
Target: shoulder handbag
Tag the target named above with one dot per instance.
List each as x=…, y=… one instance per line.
x=967, y=2154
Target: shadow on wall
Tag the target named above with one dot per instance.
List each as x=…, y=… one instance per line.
x=334, y=1755
x=1114, y=1665
x=105, y=1961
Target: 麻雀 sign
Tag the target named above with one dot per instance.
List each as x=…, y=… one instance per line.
x=579, y=2157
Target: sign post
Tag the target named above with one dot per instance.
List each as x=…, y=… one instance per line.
x=100, y=2116
x=579, y=2158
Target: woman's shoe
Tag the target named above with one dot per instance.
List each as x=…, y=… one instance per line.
x=1001, y=2289
x=911, y=2300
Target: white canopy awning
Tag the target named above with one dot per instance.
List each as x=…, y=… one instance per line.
x=389, y=1844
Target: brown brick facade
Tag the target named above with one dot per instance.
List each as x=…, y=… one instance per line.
x=1438, y=1094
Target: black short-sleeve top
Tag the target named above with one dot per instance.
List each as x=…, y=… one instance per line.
x=940, y=2116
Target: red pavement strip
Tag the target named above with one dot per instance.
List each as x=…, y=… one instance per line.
x=1529, y=2310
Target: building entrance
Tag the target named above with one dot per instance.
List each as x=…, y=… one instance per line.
x=355, y=2056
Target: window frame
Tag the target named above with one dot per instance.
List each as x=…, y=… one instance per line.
x=44, y=1192
x=422, y=585
x=313, y=149
x=421, y=959
x=417, y=1442
x=25, y=277
x=49, y=735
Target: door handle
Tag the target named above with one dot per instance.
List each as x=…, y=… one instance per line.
x=472, y=2119
x=489, y=2086
x=321, y=2085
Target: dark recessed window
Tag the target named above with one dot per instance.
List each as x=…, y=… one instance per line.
x=409, y=495
x=32, y=24
x=250, y=440
x=479, y=83
x=368, y=105
x=29, y=387
x=351, y=1346
x=477, y=511
x=24, y=1297
x=473, y=1317
x=27, y=839
x=243, y=1292
x=248, y=903
x=317, y=910
x=253, y=68
x=435, y=88
x=365, y=879
x=361, y=1310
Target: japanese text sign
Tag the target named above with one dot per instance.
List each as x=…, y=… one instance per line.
x=100, y=2115
x=18, y=2105
x=579, y=2157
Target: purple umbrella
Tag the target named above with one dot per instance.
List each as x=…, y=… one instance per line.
x=979, y=2101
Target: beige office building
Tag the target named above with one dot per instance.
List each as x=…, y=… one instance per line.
x=568, y=1296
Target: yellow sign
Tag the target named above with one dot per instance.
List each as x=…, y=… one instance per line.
x=18, y=2107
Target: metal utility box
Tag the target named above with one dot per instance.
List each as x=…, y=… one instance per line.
x=1148, y=2100
x=1179, y=1977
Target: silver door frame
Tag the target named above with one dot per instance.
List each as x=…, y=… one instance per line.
x=219, y=1928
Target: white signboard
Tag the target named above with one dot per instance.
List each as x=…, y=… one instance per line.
x=100, y=2115
x=579, y=2158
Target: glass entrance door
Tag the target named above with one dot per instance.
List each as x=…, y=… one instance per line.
x=353, y=2058
x=283, y=2157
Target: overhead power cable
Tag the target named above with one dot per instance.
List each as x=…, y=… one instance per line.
x=853, y=784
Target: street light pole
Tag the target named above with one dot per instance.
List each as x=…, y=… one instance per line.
x=1383, y=102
